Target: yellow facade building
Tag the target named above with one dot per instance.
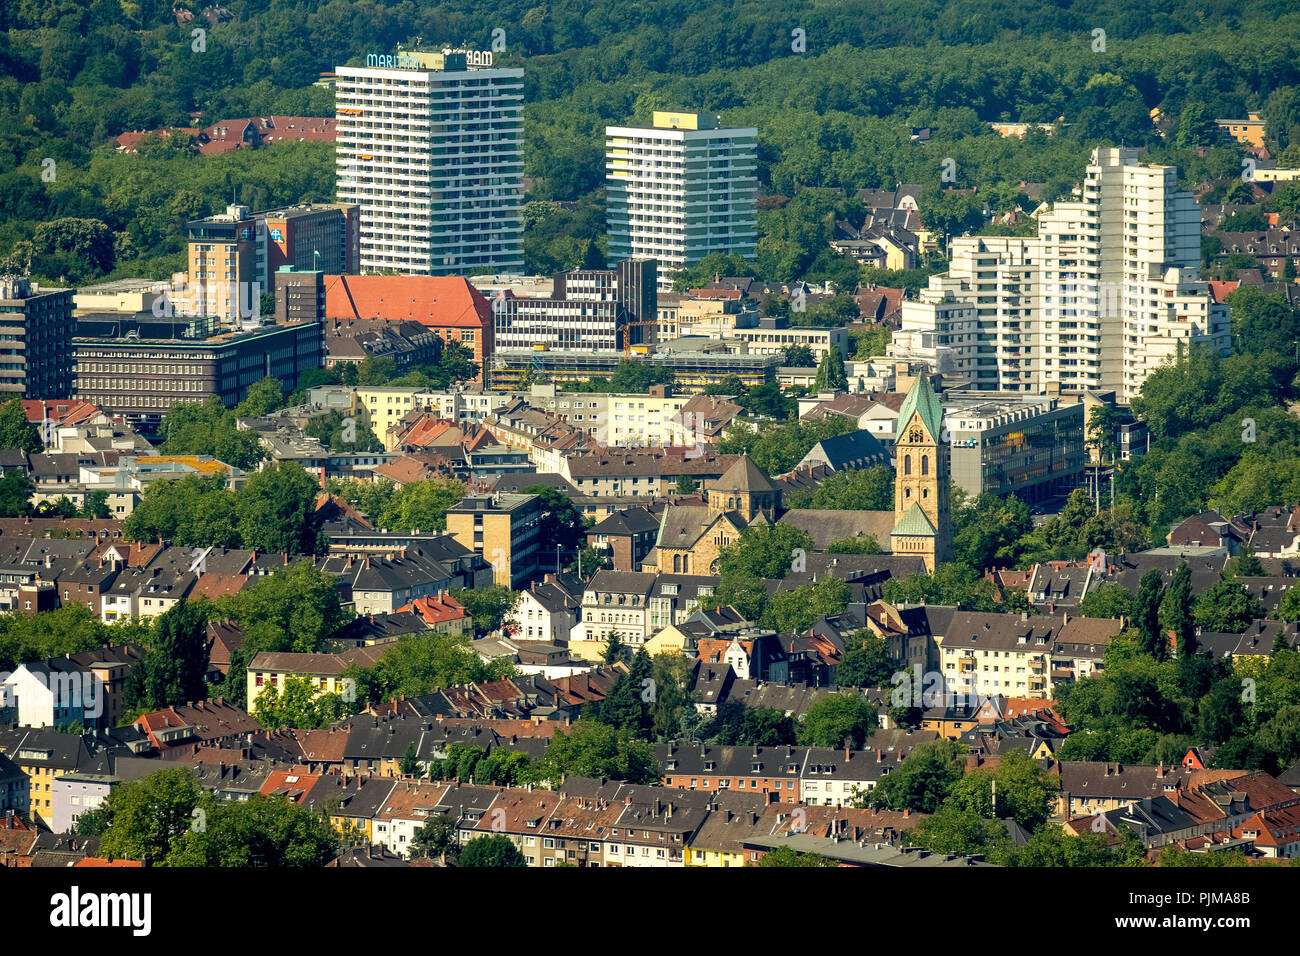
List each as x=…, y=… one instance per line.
x=503, y=528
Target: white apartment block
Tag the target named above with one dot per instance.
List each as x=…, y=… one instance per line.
x=1013, y=671
x=679, y=190
x=768, y=337
x=466, y=406
x=542, y=621
x=430, y=147
x=939, y=330
x=725, y=319
x=998, y=275
x=1105, y=293
x=625, y=617
x=639, y=419
x=385, y=406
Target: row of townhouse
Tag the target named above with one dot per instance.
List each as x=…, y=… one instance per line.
x=642, y=472
x=485, y=715
x=547, y=438
x=1090, y=787
x=44, y=757
x=1215, y=809
x=592, y=823
x=562, y=609
x=814, y=776
x=61, y=775
x=120, y=581
x=52, y=777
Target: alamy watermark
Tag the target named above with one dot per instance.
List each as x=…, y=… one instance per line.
x=195, y=300
x=930, y=689
x=72, y=691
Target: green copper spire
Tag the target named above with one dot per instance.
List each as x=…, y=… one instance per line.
x=923, y=400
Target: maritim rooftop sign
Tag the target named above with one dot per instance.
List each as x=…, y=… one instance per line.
x=447, y=60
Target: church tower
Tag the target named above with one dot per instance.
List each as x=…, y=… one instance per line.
x=922, y=524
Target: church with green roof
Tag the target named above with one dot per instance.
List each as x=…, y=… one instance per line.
x=922, y=523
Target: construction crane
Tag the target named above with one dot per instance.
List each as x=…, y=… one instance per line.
x=627, y=334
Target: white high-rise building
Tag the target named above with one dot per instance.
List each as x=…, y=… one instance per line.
x=679, y=190
x=940, y=330
x=430, y=147
x=1105, y=293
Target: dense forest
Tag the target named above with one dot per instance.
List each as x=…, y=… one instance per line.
x=839, y=115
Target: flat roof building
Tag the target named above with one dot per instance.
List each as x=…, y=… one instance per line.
x=430, y=147
x=591, y=309
x=1027, y=445
x=235, y=256
x=139, y=366
x=680, y=189
x=504, y=529
x=36, y=328
x=691, y=362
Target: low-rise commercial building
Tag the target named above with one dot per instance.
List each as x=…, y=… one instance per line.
x=692, y=363
x=139, y=366
x=1030, y=446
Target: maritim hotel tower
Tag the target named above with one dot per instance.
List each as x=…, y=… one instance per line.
x=679, y=190
x=1108, y=289
x=430, y=147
